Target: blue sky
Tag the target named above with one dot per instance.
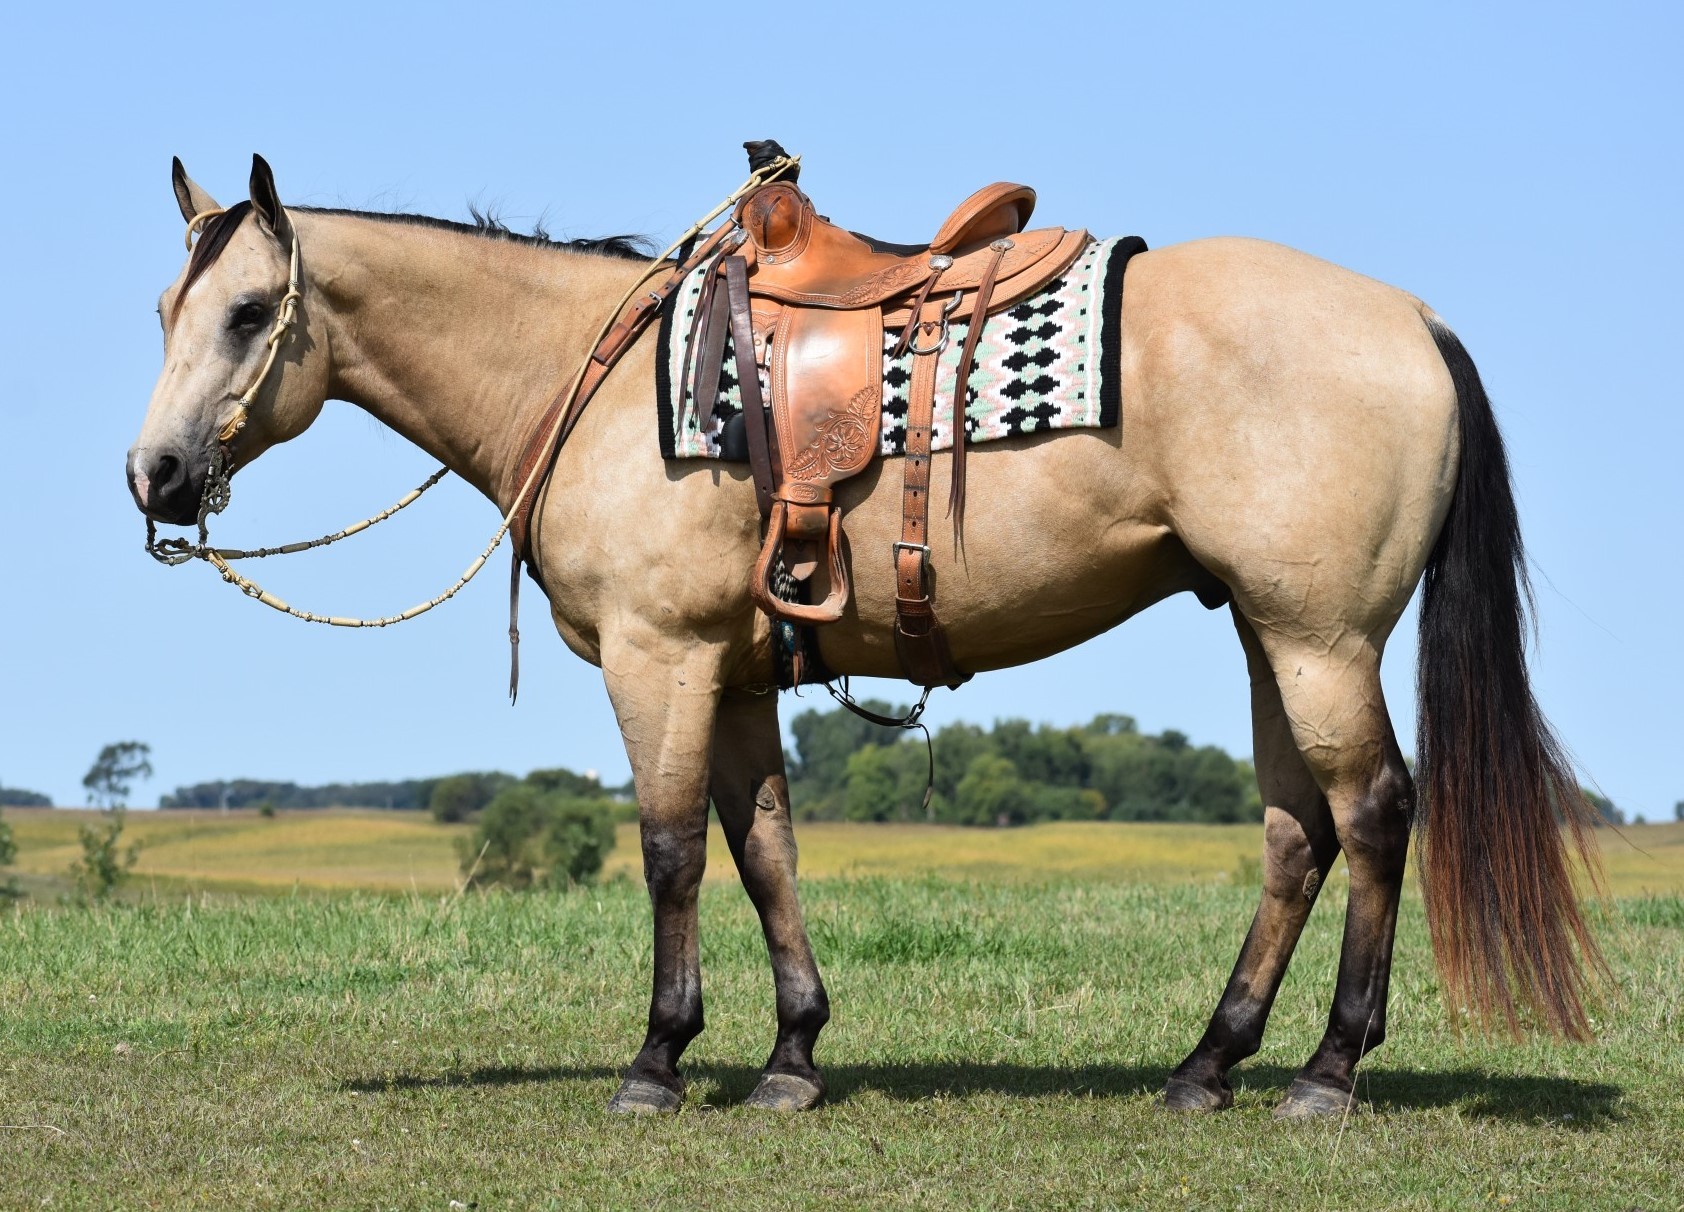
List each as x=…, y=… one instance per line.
x=1515, y=165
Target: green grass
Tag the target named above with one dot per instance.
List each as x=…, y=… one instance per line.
x=997, y=1043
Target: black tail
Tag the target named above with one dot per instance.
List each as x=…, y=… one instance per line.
x=1506, y=926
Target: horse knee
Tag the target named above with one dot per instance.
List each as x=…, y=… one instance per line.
x=674, y=860
x=675, y=1017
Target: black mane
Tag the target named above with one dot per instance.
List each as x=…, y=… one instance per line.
x=488, y=226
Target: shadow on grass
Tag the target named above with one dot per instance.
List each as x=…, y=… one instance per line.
x=1481, y=1094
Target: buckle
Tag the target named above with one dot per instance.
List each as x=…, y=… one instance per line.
x=923, y=551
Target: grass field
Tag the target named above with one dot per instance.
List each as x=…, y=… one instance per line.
x=404, y=852
x=1002, y=1028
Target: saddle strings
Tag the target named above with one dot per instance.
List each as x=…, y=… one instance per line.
x=216, y=495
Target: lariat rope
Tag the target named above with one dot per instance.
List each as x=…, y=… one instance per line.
x=217, y=492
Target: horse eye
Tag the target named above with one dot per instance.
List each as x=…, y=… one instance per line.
x=246, y=315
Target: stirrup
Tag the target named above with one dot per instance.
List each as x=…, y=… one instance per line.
x=760, y=585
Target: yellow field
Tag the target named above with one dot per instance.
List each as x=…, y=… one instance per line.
x=393, y=851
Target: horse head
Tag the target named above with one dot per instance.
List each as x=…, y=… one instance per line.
x=242, y=369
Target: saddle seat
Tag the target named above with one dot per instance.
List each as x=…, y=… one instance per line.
x=809, y=302
x=799, y=258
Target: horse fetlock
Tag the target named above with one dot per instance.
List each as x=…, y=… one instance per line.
x=804, y=1013
x=673, y=1023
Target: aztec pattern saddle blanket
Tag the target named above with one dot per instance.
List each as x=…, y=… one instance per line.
x=1046, y=363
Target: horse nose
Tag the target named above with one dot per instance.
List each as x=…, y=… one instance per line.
x=161, y=484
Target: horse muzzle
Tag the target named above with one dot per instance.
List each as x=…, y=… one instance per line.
x=166, y=483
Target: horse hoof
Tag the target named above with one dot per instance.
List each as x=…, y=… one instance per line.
x=1312, y=1100
x=639, y=1097
x=1181, y=1095
x=786, y=1092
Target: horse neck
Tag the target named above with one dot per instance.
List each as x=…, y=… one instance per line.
x=456, y=341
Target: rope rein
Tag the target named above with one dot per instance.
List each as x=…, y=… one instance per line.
x=217, y=491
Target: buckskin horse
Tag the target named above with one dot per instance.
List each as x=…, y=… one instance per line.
x=1298, y=442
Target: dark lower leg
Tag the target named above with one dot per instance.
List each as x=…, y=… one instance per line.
x=1374, y=830
x=751, y=795
x=1298, y=850
x=673, y=861
x=1293, y=876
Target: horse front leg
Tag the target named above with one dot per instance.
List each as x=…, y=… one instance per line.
x=751, y=795
x=665, y=692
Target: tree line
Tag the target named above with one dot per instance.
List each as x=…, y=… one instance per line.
x=411, y=794
x=1013, y=773
x=17, y=797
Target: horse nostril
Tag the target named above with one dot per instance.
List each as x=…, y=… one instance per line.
x=167, y=476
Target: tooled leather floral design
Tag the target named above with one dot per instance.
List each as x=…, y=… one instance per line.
x=842, y=441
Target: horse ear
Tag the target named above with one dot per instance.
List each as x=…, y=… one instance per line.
x=188, y=195
x=266, y=202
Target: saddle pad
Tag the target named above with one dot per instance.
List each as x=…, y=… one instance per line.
x=1040, y=364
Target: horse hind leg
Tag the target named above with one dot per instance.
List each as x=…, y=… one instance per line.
x=751, y=794
x=1337, y=713
x=1298, y=850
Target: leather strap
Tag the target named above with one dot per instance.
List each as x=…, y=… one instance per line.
x=706, y=349
x=546, y=438
x=962, y=383
x=748, y=383
x=920, y=641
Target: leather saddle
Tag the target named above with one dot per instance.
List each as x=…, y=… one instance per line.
x=807, y=305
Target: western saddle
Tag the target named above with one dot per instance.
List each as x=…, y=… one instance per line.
x=807, y=304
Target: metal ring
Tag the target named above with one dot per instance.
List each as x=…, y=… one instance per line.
x=940, y=344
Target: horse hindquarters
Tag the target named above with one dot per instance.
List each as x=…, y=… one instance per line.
x=1304, y=429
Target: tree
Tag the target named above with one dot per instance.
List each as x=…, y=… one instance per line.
x=459, y=796
x=532, y=838
x=110, y=777
x=824, y=741
x=991, y=793
x=885, y=783
x=105, y=863
x=1678, y=811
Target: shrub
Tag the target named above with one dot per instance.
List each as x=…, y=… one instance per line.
x=105, y=863
x=532, y=838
